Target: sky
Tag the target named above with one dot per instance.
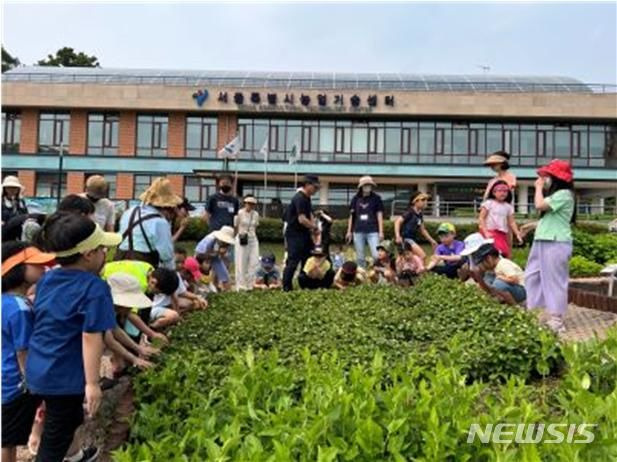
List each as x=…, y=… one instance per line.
x=568, y=39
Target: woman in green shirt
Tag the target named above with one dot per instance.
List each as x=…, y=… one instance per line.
x=547, y=271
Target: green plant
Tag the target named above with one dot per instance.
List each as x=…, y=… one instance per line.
x=581, y=266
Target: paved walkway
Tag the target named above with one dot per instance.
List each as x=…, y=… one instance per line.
x=584, y=323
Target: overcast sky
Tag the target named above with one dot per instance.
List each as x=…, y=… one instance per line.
x=575, y=40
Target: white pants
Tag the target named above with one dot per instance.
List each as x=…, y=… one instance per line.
x=246, y=263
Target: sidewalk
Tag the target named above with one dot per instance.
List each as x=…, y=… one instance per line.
x=584, y=323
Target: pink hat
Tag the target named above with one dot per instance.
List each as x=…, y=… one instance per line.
x=192, y=266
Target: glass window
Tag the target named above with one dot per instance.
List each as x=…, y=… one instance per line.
x=47, y=185
x=493, y=140
x=576, y=143
x=562, y=143
x=326, y=140
x=596, y=144
x=427, y=141
x=103, y=134
x=461, y=139
x=528, y=143
x=306, y=139
x=393, y=140
x=201, y=137
x=54, y=131
x=541, y=143
x=359, y=143
x=152, y=135
x=439, y=141
x=11, y=129
x=339, y=145
x=507, y=140
x=198, y=189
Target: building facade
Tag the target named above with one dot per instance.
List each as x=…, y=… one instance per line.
x=408, y=131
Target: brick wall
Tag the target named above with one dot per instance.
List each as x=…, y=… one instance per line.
x=177, y=134
x=78, y=132
x=227, y=128
x=75, y=182
x=29, y=142
x=177, y=184
x=124, y=186
x=127, y=134
x=28, y=179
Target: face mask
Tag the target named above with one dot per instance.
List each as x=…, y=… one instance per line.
x=92, y=199
x=367, y=189
x=548, y=182
x=225, y=188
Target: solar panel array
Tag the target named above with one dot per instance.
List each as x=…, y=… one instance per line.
x=307, y=80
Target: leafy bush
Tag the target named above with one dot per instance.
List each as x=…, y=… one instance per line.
x=581, y=266
x=598, y=248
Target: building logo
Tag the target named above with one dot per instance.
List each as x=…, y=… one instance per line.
x=200, y=96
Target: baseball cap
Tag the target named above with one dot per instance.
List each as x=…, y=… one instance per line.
x=446, y=228
x=29, y=256
x=479, y=255
x=268, y=259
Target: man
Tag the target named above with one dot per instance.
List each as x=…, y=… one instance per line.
x=104, y=211
x=146, y=228
x=223, y=206
x=301, y=226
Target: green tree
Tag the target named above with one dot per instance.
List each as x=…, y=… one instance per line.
x=66, y=57
x=8, y=61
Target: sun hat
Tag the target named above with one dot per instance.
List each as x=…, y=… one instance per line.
x=495, y=159
x=479, y=255
x=225, y=234
x=249, y=200
x=418, y=196
x=160, y=194
x=446, y=228
x=192, y=266
x=96, y=239
x=385, y=245
x=560, y=169
x=473, y=242
x=318, y=251
x=29, y=256
x=366, y=179
x=13, y=182
x=126, y=291
x=96, y=186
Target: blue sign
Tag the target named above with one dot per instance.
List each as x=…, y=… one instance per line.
x=200, y=96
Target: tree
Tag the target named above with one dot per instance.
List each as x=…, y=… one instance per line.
x=66, y=57
x=8, y=62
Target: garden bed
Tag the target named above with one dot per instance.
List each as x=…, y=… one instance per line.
x=592, y=293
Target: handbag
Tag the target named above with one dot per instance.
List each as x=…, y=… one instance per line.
x=243, y=238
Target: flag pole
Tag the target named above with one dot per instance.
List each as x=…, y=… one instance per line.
x=265, y=185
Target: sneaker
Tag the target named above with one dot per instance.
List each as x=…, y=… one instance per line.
x=85, y=455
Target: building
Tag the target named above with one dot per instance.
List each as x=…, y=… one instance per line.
x=427, y=132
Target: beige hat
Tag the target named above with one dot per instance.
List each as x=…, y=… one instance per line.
x=13, y=182
x=366, y=180
x=126, y=291
x=159, y=194
x=249, y=200
x=96, y=186
x=225, y=234
x=495, y=159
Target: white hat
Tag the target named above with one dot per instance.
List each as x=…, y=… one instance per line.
x=126, y=291
x=473, y=242
x=225, y=234
x=13, y=182
x=366, y=179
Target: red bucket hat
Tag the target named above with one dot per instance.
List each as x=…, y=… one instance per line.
x=560, y=169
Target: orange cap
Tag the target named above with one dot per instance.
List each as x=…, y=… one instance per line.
x=30, y=256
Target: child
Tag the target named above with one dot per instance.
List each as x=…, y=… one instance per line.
x=350, y=275
x=216, y=246
x=187, y=299
x=73, y=308
x=179, y=256
x=547, y=271
x=384, y=268
x=409, y=225
x=22, y=267
x=337, y=258
x=268, y=275
x=317, y=272
x=504, y=279
x=408, y=264
x=447, y=259
x=200, y=268
x=497, y=218
x=498, y=162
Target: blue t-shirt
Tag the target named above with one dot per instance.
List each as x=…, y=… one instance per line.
x=16, y=331
x=222, y=209
x=364, y=210
x=67, y=304
x=455, y=249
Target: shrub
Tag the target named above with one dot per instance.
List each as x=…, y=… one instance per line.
x=581, y=266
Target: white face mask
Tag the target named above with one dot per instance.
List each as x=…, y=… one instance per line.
x=367, y=189
x=548, y=181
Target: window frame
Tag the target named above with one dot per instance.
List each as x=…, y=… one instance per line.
x=106, y=147
x=155, y=149
x=10, y=118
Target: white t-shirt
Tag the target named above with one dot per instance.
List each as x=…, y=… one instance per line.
x=508, y=269
x=498, y=213
x=164, y=301
x=104, y=212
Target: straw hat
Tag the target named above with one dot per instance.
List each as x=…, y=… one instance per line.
x=126, y=291
x=13, y=182
x=495, y=159
x=249, y=200
x=159, y=194
x=96, y=186
x=225, y=234
x=366, y=179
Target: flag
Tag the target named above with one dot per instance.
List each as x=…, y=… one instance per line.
x=264, y=150
x=231, y=149
x=294, y=154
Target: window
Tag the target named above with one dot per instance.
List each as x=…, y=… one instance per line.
x=439, y=141
x=151, y=135
x=11, y=129
x=273, y=139
x=54, y=131
x=372, y=140
x=576, y=143
x=47, y=185
x=339, y=139
x=507, y=140
x=473, y=141
x=562, y=143
x=306, y=139
x=198, y=189
x=141, y=183
x=405, y=144
x=201, y=136
x=103, y=134
x=541, y=143
x=245, y=141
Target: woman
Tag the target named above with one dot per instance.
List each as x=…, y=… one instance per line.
x=547, y=271
x=499, y=163
x=13, y=204
x=182, y=218
x=247, y=245
x=365, y=222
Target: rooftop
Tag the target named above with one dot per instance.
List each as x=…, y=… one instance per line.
x=308, y=80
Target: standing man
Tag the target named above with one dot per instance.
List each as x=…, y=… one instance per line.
x=223, y=206
x=97, y=191
x=300, y=228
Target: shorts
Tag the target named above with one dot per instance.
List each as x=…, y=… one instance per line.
x=158, y=312
x=63, y=415
x=516, y=290
x=17, y=419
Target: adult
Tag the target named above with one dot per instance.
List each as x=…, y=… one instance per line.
x=301, y=226
x=365, y=222
x=215, y=246
x=97, y=191
x=146, y=228
x=499, y=163
x=13, y=203
x=247, y=245
x=182, y=218
x=223, y=206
